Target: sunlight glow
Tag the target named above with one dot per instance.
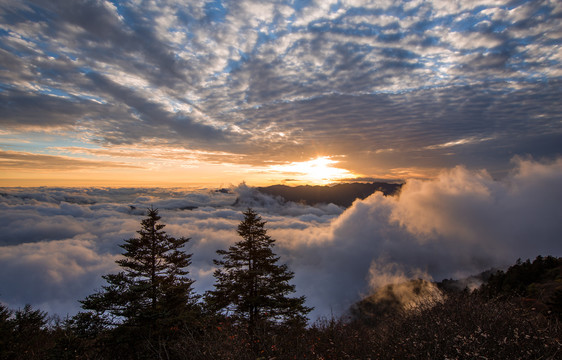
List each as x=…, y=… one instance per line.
x=316, y=171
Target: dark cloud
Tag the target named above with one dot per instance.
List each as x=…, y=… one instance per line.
x=21, y=110
x=106, y=33
x=153, y=117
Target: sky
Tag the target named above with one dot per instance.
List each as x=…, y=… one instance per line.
x=169, y=93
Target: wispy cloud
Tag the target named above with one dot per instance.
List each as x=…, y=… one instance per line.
x=14, y=160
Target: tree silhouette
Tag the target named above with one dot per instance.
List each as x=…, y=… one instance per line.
x=6, y=331
x=250, y=284
x=152, y=290
x=25, y=333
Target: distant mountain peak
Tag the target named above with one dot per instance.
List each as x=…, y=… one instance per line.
x=339, y=194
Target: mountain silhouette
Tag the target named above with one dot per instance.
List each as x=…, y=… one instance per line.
x=340, y=194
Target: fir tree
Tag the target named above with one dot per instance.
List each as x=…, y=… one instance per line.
x=250, y=285
x=152, y=290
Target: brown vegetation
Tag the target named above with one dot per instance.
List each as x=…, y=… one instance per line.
x=463, y=326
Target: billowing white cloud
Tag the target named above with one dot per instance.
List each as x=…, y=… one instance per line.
x=459, y=224
x=56, y=243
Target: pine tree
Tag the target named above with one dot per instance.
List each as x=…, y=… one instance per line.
x=250, y=285
x=152, y=290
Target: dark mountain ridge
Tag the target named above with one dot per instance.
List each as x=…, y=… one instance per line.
x=339, y=194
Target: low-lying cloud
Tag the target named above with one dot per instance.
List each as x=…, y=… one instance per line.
x=56, y=243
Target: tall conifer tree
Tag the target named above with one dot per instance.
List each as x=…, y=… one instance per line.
x=152, y=290
x=250, y=284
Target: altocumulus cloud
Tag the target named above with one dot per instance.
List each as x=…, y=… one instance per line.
x=274, y=79
x=56, y=243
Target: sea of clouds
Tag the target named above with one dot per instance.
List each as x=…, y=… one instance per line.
x=55, y=243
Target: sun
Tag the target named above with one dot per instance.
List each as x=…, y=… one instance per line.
x=316, y=171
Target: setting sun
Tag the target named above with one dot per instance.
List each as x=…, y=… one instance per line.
x=316, y=171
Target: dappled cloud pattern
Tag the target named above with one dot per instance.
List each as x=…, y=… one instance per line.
x=387, y=84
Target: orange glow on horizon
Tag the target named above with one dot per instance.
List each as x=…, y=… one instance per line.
x=319, y=171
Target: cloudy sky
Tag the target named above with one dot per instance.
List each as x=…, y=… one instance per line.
x=208, y=92
x=460, y=99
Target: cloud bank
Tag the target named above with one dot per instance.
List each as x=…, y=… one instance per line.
x=56, y=243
